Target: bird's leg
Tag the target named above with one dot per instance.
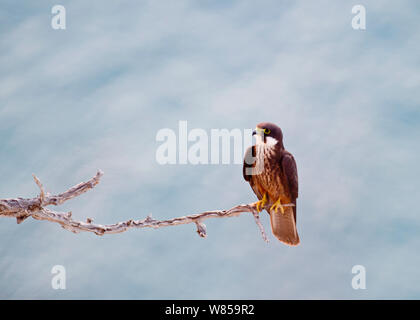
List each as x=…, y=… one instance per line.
x=261, y=204
x=276, y=206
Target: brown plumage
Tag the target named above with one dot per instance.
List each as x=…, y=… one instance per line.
x=272, y=171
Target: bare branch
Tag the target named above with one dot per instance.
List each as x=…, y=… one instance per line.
x=21, y=209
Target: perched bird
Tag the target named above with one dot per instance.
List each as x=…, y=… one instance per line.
x=272, y=173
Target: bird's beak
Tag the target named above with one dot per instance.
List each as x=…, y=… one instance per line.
x=258, y=131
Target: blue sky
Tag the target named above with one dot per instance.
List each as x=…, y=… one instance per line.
x=94, y=96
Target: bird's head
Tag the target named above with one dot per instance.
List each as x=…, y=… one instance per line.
x=269, y=134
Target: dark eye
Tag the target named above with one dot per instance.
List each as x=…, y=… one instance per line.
x=267, y=131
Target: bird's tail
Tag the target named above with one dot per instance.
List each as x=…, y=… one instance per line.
x=283, y=226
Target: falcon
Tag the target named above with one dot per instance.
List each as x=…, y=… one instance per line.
x=272, y=173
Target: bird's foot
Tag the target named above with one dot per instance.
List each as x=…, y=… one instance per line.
x=276, y=206
x=261, y=204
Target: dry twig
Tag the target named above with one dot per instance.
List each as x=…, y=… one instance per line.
x=21, y=209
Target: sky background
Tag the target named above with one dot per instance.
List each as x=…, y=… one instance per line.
x=94, y=96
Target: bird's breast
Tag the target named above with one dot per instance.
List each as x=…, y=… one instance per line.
x=268, y=171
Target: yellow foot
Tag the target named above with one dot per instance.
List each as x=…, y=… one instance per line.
x=276, y=206
x=261, y=204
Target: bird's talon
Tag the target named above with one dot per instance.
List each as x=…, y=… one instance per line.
x=276, y=206
x=261, y=204
x=273, y=208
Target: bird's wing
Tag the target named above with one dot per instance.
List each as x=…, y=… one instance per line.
x=288, y=164
x=249, y=163
x=283, y=225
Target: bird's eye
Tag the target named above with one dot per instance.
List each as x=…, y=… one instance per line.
x=267, y=131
